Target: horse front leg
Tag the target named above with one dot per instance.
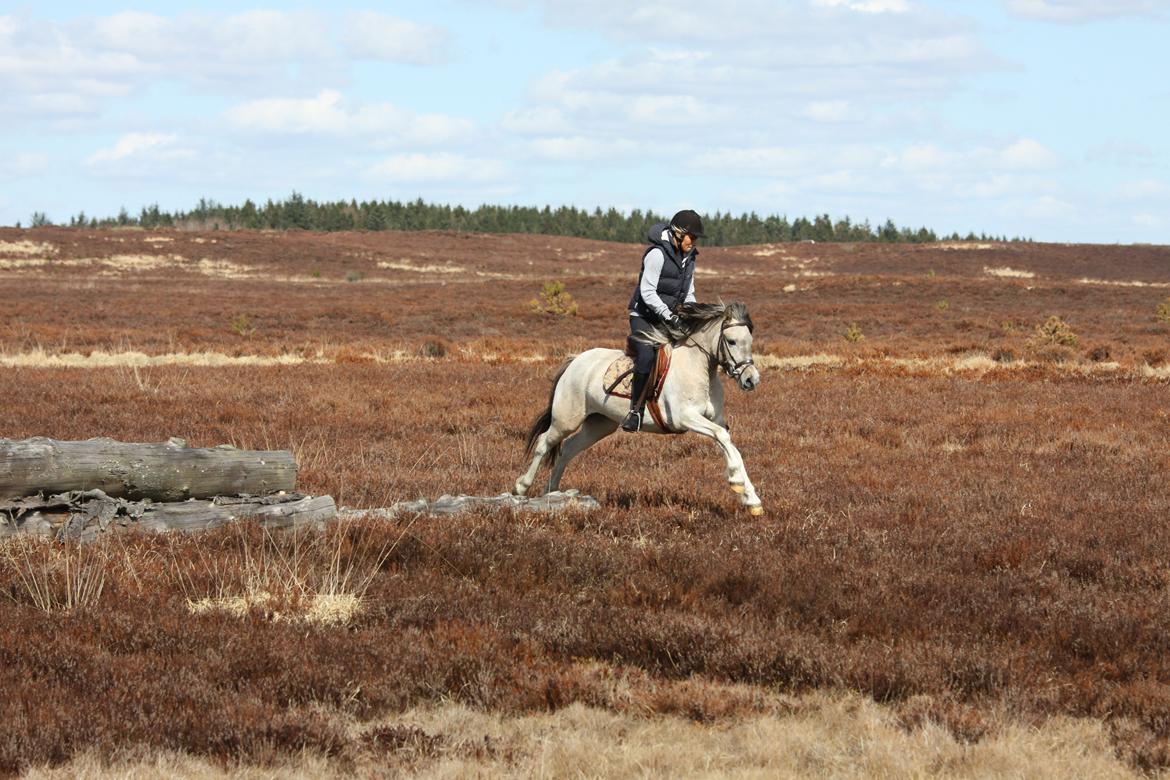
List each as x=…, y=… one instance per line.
x=737, y=475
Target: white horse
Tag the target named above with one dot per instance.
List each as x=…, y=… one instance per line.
x=717, y=336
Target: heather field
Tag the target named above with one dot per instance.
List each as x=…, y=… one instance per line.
x=962, y=569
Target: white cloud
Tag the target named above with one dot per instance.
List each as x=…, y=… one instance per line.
x=580, y=148
x=758, y=161
x=1076, y=11
x=1027, y=154
x=139, y=148
x=920, y=157
x=50, y=68
x=869, y=6
x=1045, y=207
x=440, y=167
x=827, y=111
x=373, y=35
x=765, y=71
x=330, y=114
x=536, y=121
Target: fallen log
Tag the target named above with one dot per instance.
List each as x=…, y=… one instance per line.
x=88, y=514
x=170, y=471
x=453, y=505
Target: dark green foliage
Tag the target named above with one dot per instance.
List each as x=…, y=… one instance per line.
x=300, y=213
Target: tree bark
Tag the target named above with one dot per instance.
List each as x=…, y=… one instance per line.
x=88, y=514
x=169, y=471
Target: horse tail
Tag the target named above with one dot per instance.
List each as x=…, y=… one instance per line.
x=544, y=421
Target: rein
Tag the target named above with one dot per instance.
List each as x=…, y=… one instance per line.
x=723, y=356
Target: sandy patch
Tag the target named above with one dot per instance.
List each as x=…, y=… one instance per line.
x=1010, y=273
x=790, y=288
x=329, y=609
x=158, y=239
x=798, y=362
x=1121, y=283
x=225, y=269
x=769, y=250
x=130, y=359
x=964, y=245
x=26, y=249
x=421, y=269
x=139, y=263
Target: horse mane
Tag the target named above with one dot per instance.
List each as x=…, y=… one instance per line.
x=696, y=316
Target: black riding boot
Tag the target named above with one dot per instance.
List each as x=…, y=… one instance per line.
x=633, y=421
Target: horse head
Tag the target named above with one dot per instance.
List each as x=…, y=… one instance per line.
x=726, y=330
x=735, y=346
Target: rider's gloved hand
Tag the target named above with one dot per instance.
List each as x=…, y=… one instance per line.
x=675, y=324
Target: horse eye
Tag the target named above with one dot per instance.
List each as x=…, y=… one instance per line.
x=731, y=342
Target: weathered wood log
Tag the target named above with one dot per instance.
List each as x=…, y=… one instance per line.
x=170, y=471
x=453, y=505
x=89, y=514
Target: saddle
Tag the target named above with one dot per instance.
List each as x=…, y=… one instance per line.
x=618, y=380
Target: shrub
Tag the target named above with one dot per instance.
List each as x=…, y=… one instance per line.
x=1099, y=353
x=554, y=300
x=1054, y=332
x=1163, y=311
x=853, y=334
x=433, y=347
x=942, y=305
x=353, y=276
x=1003, y=355
x=242, y=326
x=1154, y=357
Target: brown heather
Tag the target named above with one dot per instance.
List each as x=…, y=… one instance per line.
x=979, y=551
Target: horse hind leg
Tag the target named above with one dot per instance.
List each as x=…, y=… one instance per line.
x=595, y=428
x=546, y=443
x=566, y=415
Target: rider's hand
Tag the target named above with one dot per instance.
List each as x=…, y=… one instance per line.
x=676, y=324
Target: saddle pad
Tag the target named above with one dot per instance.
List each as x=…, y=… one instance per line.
x=624, y=364
x=616, y=369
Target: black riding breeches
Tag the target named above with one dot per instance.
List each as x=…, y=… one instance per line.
x=644, y=353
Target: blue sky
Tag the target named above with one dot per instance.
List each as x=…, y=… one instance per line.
x=1047, y=119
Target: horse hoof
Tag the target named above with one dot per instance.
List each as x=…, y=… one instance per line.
x=756, y=511
x=737, y=488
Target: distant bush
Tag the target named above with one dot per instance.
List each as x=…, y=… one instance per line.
x=1099, y=353
x=242, y=326
x=1154, y=357
x=853, y=334
x=1003, y=355
x=1054, y=332
x=1163, y=311
x=353, y=276
x=554, y=299
x=434, y=348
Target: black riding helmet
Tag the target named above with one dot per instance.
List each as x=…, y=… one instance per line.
x=687, y=222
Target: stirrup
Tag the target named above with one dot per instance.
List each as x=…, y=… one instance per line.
x=633, y=421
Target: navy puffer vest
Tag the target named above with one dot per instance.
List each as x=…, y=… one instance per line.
x=675, y=280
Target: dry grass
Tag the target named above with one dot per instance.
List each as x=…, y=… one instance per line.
x=813, y=736
x=958, y=536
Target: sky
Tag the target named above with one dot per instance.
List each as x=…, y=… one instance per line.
x=1042, y=119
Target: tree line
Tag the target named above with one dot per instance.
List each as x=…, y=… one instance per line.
x=297, y=212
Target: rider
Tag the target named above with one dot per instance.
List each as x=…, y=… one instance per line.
x=667, y=279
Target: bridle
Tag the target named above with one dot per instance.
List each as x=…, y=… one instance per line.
x=723, y=357
x=733, y=370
